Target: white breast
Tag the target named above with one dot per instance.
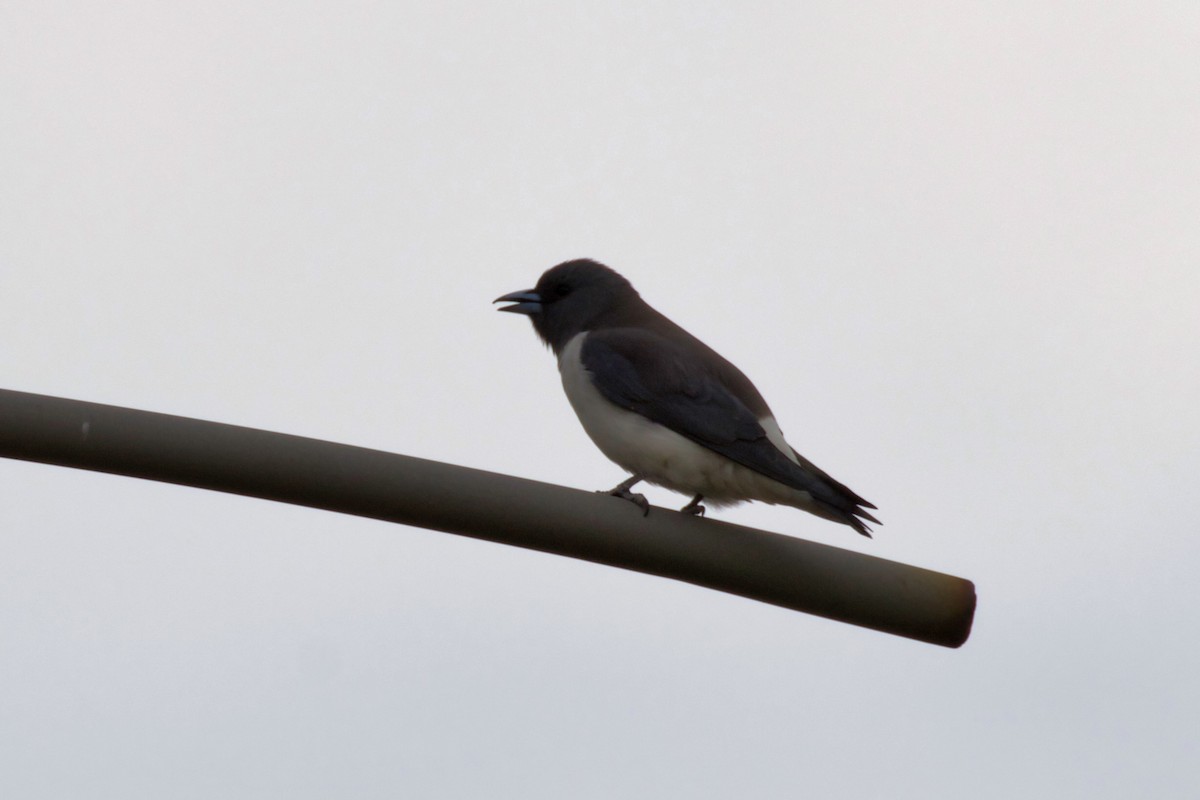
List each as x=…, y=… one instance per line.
x=662, y=456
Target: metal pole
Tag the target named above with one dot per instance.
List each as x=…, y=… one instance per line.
x=783, y=570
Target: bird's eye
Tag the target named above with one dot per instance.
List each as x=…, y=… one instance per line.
x=562, y=290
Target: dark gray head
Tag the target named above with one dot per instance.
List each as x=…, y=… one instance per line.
x=573, y=297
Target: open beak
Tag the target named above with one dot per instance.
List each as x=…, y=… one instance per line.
x=527, y=302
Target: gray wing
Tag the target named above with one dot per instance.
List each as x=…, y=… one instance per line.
x=643, y=372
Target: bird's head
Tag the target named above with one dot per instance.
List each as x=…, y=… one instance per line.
x=573, y=297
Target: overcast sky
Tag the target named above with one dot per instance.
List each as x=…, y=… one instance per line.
x=955, y=245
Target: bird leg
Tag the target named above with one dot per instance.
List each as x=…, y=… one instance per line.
x=621, y=490
x=694, y=508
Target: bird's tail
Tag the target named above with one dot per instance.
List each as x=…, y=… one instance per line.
x=852, y=512
x=841, y=504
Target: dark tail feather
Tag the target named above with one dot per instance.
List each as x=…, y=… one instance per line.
x=845, y=506
x=857, y=511
x=852, y=519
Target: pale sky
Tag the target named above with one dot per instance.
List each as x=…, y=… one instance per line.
x=955, y=245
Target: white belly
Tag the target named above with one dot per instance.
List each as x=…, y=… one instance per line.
x=663, y=457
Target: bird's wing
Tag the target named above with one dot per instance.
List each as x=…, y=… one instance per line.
x=649, y=374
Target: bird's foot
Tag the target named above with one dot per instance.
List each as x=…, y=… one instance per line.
x=621, y=490
x=694, y=508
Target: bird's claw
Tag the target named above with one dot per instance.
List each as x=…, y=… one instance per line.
x=694, y=508
x=638, y=500
x=621, y=490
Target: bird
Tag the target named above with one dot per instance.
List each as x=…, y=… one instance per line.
x=666, y=407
